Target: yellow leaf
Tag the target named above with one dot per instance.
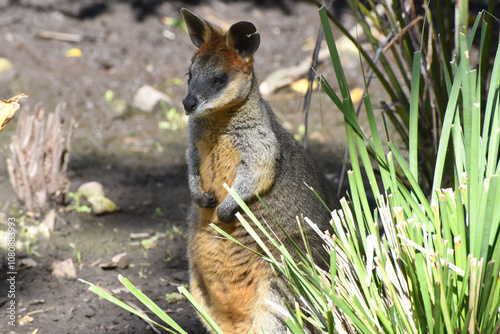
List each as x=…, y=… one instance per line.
x=357, y=94
x=302, y=84
x=74, y=52
x=8, y=109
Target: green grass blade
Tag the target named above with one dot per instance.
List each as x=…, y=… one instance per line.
x=149, y=303
x=332, y=47
x=414, y=101
x=101, y=293
x=413, y=182
x=491, y=226
x=200, y=309
x=445, y=131
x=492, y=117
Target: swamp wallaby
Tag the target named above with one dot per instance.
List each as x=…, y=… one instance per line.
x=234, y=138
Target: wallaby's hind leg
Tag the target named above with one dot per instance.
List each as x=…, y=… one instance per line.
x=262, y=317
x=232, y=283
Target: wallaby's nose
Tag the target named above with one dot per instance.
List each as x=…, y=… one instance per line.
x=190, y=103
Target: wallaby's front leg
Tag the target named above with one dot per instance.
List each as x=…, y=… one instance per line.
x=252, y=177
x=203, y=199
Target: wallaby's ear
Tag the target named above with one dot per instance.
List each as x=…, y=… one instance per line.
x=198, y=29
x=244, y=38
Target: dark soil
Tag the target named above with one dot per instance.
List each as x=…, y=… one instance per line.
x=141, y=166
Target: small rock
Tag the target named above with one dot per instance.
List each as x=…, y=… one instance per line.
x=106, y=266
x=64, y=269
x=101, y=205
x=121, y=260
x=149, y=99
x=118, y=261
x=92, y=188
x=27, y=263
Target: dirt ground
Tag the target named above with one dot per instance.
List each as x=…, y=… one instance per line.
x=139, y=162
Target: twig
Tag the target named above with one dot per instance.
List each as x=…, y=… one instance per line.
x=60, y=36
x=402, y=32
x=65, y=37
x=312, y=72
x=40, y=311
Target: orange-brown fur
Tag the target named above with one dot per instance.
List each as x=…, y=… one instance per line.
x=231, y=293
x=217, y=45
x=218, y=166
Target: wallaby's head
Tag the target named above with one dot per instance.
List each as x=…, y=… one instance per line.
x=221, y=72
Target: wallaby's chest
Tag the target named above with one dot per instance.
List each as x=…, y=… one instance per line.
x=219, y=159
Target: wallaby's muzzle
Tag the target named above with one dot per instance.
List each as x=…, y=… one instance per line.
x=190, y=103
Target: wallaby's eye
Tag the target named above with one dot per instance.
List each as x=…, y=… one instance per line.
x=220, y=80
x=189, y=76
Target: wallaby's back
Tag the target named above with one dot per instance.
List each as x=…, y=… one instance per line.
x=234, y=138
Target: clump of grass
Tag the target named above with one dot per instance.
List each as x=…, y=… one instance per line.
x=173, y=326
x=396, y=32
x=435, y=266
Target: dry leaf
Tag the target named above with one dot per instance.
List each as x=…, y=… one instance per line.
x=302, y=85
x=357, y=94
x=8, y=109
x=101, y=205
x=74, y=52
x=28, y=263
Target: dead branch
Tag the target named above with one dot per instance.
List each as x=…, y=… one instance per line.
x=39, y=158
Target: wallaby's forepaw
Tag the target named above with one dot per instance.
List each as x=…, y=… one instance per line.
x=205, y=200
x=226, y=214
